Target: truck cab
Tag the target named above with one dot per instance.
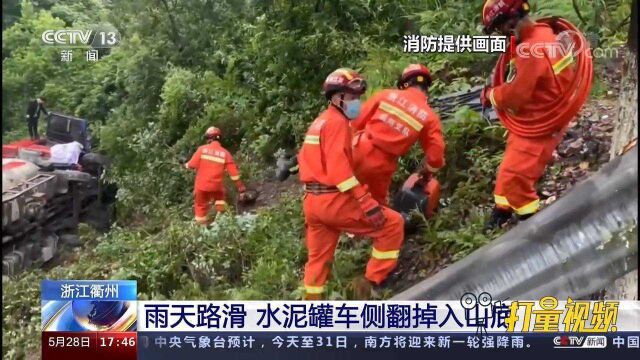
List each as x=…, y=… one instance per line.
x=65, y=129
x=61, y=129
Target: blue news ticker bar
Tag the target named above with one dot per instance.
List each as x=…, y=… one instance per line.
x=89, y=290
x=323, y=345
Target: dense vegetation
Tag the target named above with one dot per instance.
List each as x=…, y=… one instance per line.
x=254, y=69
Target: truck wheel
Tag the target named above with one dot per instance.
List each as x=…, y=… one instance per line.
x=94, y=163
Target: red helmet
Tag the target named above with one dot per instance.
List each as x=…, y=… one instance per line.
x=419, y=72
x=344, y=80
x=496, y=11
x=212, y=132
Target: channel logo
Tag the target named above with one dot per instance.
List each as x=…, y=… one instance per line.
x=580, y=342
x=104, y=37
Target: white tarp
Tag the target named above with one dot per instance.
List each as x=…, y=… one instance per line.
x=66, y=153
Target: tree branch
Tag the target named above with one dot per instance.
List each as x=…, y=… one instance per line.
x=175, y=34
x=577, y=10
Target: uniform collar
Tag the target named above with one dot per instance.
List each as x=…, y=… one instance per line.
x=417, y=93
x=333, y=110
x=526, y=32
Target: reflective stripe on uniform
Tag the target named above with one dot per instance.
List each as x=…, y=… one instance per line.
x=501, y=200
x=492, y=98
x=235, y=178
x=312, y=139
x=213, y=158
x=512, y=70
x=220, y=202
x=314, y=289
x=408, y=119
x=385, y=255
x=530, y=208
x=562, y=64
x=348, y=184
x=200, y=218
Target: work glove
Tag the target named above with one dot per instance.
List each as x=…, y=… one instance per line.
x=372, y=211
x=484, y=97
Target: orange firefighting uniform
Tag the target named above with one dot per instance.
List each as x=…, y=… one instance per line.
x=211, y=161
x=325, y=158
x=533, y=83
x=390, y=123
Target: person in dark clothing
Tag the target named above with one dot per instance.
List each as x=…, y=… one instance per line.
x=33, y=114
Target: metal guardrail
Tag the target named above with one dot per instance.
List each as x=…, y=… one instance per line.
x=575, y=247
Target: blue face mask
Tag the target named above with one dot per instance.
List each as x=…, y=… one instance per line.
x=352, y=108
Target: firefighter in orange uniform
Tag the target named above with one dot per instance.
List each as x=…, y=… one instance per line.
x=531, y=86
x=334, y=199
x=210, y=162
x=391, y=122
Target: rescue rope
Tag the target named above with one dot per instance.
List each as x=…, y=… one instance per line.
x=565, y=107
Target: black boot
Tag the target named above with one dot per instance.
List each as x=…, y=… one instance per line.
x=498, y=218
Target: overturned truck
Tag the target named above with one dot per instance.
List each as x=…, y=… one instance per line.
x=44, y=201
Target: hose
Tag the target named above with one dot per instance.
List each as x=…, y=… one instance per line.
x=566, y=106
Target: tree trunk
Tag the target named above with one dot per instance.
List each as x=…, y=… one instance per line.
x=624, y=135
x=626, y=125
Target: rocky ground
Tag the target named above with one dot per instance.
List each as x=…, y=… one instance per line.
x=586, y=145
x=270, y=192
x=584, y=149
